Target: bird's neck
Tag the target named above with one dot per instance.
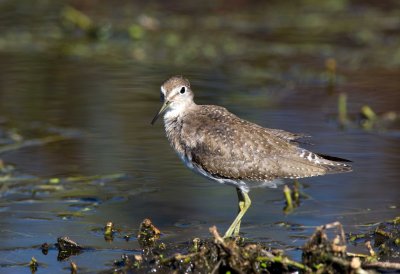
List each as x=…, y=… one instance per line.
x=173, y=122
x=175, y=112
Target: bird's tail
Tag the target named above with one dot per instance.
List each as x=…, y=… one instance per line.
x=335, y=164
x=328, y=164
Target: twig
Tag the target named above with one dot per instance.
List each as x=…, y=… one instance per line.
x=351, y=254
x=220, y=241
x=284, y=261
x=339, y=226
x=178, y=257
x=369, y=247
x=216, y=267
x=386, y=265
x=217, y=237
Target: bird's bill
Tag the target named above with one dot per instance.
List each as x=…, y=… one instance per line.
x=163, y=108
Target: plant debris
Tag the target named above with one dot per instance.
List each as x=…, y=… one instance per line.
x=45, y=248
x=74, y=268
x=148, y=234
x=385, y=238
x=67, y=247
x=109, y=232
x=235, y=255
x=366, y=119
x=293, y=197
x=33, y=264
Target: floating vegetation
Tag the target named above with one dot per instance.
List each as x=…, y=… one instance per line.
x=73, y=19
x=367, y=119
x=12, y=139
x=342, y=110
x=289, y=201
x=109, y=232
x=385, y=238
x=371, y=121
x=330, y=65
x=33, y=142
x=152, y=34
x=67, y=247
x=33, y=265
x=148, y=234
x=28, y=185
x=70, y=214
x=45, y=248
x=67, y=244
x=76, y=18
x=293, y=197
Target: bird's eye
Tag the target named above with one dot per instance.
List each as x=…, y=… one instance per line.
x=182, y=91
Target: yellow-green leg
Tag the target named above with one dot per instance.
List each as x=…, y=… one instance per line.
x=240, y=208
x=244, y=204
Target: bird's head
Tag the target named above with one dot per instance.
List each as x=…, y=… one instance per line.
x=176, y=95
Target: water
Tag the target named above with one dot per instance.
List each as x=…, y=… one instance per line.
x=111, y=103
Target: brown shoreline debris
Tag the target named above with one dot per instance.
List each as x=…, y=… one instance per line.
x=148, y=233
x=67, y=247
x=219, y=255
x=329, y=256
x=66, y=244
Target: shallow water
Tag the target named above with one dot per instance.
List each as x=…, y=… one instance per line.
x=110, y=105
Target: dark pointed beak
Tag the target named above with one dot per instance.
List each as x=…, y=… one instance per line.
x=161, y=111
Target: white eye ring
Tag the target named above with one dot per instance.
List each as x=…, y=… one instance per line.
x=183, y=90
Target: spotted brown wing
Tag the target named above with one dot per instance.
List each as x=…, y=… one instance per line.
x=226, y=146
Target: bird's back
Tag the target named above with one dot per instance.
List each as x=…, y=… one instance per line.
x=227, y=147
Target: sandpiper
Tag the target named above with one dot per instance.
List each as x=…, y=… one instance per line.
x=222, y=147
